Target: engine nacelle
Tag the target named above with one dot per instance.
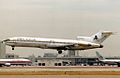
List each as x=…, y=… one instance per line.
x=89, y=39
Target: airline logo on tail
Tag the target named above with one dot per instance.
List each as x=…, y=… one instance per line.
x=95, y=38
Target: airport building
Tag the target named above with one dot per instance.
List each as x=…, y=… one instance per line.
x=2, y=50
x=71, y=59
x=66, y=61
x=52, y=59
x=11, y=56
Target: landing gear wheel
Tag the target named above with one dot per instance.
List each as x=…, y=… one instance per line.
x=60, y=52
x=118, y=64
x=12, y=47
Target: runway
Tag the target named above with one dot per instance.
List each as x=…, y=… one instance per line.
x=73, y=70
x=56, y=76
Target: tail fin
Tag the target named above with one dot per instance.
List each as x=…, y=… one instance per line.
x=99, y=56
x=100, y=36
x=96, y=38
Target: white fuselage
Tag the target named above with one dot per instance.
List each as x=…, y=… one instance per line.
x=111, y=61
x=47, y=43
x=9, y=62
x=14, y=60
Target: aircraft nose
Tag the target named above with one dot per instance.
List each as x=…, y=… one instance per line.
x=6, y=40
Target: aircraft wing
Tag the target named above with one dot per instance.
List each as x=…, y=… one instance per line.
x=74, y=45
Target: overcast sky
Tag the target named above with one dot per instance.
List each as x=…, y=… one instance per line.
x=60, y=19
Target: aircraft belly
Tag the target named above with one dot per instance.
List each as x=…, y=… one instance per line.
x=69, y=47
x=81, y=47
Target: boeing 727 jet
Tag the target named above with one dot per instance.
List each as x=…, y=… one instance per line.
x=81, y=43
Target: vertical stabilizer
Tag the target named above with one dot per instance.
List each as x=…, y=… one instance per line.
x=100, y=36
x=96, y=38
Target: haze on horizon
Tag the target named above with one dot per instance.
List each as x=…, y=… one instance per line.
x=60, y=19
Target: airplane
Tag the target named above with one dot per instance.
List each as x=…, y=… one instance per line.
x=9, y=62
x=108, y=61
x=81, y=43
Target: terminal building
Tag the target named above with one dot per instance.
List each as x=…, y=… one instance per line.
x=66, y=61
x=71, y=59
x=2, y=50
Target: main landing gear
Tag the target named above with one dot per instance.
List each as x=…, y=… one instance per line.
x=13, y=47
x=59, y=51
x=118, y=64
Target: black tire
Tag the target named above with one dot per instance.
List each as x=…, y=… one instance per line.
x=13, y=47
x=60, y=52
x=118, y=64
